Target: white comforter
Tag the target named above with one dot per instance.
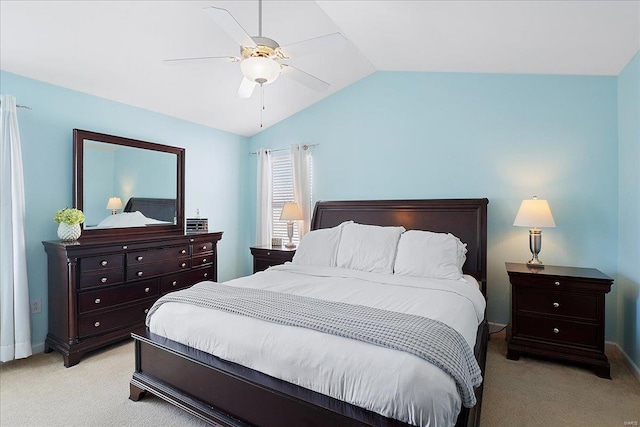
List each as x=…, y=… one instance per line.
x=386, y=381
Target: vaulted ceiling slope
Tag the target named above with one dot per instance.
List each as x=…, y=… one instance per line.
x=114, y=49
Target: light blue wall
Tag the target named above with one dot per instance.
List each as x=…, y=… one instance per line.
x=505, y=137
x=215, y=163
x=628, y=282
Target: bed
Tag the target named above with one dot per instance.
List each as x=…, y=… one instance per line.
x=226, y=393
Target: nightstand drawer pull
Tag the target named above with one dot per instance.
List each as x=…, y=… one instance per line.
x=556, y=283
x=556, y=330
x=103, y=280
x=103, y=263
x=97, y=324
x=140, y=258
x=97, y=301
x=206, y=274
x=140, y=273
x=175, y=282
x=556, y=305
x=147, y=289
x=146, y=310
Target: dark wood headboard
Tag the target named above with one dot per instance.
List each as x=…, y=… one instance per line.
x=464, y=218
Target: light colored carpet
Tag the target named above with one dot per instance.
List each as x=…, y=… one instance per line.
x=39, y=391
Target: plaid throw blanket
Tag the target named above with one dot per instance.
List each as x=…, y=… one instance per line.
x=433, y=341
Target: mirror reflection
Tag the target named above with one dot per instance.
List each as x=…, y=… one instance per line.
x=128, y=186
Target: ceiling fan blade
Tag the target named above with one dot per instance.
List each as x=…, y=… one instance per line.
x=228, y=23
x=246, y=88
x=304, y=78
x=204, y=59
x=320, y=44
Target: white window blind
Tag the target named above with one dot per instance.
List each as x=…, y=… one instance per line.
x=282, y=182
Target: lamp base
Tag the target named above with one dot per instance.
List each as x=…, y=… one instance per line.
x=290, y=245
x=535, y=263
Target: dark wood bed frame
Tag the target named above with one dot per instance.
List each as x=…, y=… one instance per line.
x=228, y=394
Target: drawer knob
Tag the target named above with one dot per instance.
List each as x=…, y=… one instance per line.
x=268, y=253
x=556, y=305
x=125, y=247
x=103, y=263
x=184, y=251
x=191, y=240
x=175, y=282
x=556, y=330
x=140, y=258
x=556, y=283
x=204, y=260
x=97, y=324
x=183, y=265
x=103, y=280
x=97, y=300
x=140, y=273
x=204, y=247
x=146, y=289
x=146, y=310
x=206, y=274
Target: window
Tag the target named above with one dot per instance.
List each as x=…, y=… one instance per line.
x=282, y=182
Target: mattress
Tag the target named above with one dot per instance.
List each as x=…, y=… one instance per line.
x=386, y=381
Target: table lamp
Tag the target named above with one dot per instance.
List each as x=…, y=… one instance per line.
x=114, y=204
x=534, y=213
x=290, y=212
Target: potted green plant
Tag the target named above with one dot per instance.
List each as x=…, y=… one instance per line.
x=69, y=220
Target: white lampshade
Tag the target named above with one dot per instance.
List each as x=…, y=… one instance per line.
x=114, y=203
x=291, y=212
x=260, y=69
x=534, y=213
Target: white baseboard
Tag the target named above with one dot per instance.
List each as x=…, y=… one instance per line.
x=37, y=348
x=632, y=366
x=495, y=327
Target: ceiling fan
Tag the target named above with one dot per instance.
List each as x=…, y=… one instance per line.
x=262, y=60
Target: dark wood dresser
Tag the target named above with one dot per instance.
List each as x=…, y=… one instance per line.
x=100, y=290
x=559, y=312
x=268, y=256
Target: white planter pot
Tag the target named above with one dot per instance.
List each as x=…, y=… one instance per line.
x=68, y=232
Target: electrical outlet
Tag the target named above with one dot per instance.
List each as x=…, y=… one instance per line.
x=36, y=306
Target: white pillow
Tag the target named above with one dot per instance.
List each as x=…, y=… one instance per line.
x=427, y=254
x=368, y=247
x=318, y=247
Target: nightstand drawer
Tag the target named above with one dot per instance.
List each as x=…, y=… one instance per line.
x=557, y=303
x=547, y=283
x=560, y=331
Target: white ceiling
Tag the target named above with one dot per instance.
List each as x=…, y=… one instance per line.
x=114, y=49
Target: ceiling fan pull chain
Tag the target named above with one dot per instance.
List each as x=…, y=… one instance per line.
x=261, y=102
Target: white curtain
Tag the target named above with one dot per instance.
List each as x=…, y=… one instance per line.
x=263, y=202
x=15, y=316
x=301, y=164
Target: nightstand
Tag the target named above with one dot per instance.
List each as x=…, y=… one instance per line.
x=268, y=256
x=558, y=313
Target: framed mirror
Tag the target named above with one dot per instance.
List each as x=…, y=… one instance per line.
x=126, y=186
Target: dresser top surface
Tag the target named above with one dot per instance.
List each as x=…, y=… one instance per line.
x=558, y=271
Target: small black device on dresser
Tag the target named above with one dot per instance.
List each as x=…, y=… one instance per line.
x=267, y=256
x=559, y=312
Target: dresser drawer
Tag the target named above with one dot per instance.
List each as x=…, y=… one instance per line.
x=105, y=321
x=200, y=248
x=101, y=278
x=202, y=260
x=182, y=280
x=102, y=262
x=142, y=271
x=143, y=257
x=105, y=298
x=559, y=331
x=558, y=303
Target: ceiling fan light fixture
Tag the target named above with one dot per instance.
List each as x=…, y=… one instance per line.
x=260, y=69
